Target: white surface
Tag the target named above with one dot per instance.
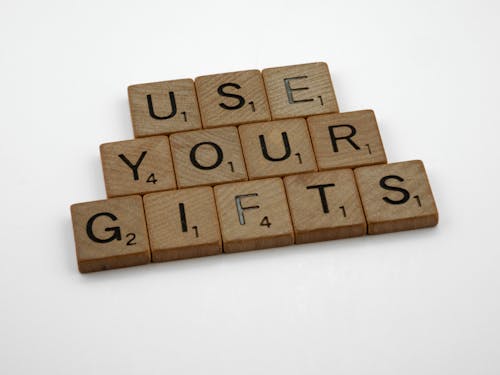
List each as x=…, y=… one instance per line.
x=418, y=302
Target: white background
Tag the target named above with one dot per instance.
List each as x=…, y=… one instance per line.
x=418, y=302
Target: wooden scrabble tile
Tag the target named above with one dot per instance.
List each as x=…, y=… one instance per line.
x=277, y=148
x=253, y=215
x=299, y=90
x=137, y=166
x=232, y=98
x=396, y=197
x=182, y=224
x=208, y=157
x=163, y=107
x=346, y=140
x=110, y=234
x=325, y=206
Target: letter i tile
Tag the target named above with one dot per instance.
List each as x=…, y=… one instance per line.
x=182, y=224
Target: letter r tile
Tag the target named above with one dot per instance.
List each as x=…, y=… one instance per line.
x=346, y=140
x=253, y=215
x=299, y=90
x=110, y=234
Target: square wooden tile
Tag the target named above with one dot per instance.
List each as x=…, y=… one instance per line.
x=110, y=233
x=253, y=215
x=164, y=107
x=277, y=148
x=232, y=98
x=396, y=197
x=346, y=140
x=182, y=224
x=299, y=90
x=325, y=206
x=137, y=166
x=208, y=157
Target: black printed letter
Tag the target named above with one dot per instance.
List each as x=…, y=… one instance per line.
x=263, y=147
x=241, y=99
x=135, y=166
x=347, y=137
x=220, y=156
x=289, y=91
x=406, y=194
x=116, y=230
x=322, y=195
x=172, y=104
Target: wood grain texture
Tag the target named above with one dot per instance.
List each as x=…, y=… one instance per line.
x=182, y=224
x=299, y=90
x=110, y=234
x=262, y=220
x=163, y=107
x=346, y=140
x=137, y=166
x=277, y=148
x=232, y=98
x=396, y=197
x=208, y=157
x=325, y=206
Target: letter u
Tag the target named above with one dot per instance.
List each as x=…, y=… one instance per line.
x=286, y=144
x=172, y=104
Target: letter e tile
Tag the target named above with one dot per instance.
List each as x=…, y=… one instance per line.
x=299, y=90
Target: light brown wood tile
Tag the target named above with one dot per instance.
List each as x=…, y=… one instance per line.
x=232, y=98
x=182, y=224
x=208, y=157
x=325, y=206
x=137, y=166
x=396, y=197
x=346, y=140
x=253, y=215
x=163, y=107
x=299, y=90
x=277, y=148
x=110, y=234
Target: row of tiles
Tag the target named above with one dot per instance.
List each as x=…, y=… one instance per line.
x=231, y=99
x=250, y=151
x=200, y=221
